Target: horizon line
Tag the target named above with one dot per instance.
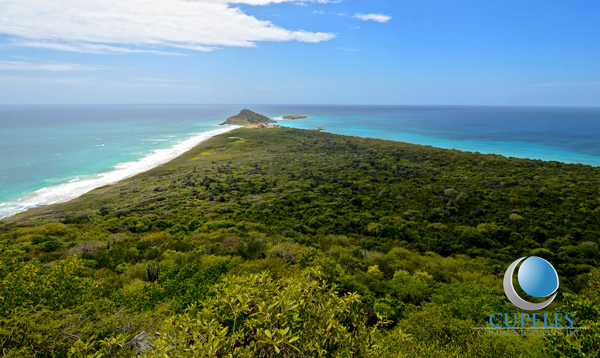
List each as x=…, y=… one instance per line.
x=301, y=104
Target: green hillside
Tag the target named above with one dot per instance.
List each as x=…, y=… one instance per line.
x=288, y=242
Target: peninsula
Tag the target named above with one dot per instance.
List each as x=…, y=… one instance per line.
x=247, y=117
x=283, y=216
x=294, y=116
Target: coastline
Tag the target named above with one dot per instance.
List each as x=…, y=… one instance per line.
x=75, y=188
x=512, y=132
x=92, y=198
x=60, y=193
x=508, y=148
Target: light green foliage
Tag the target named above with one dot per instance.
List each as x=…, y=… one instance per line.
x=586, y=313
x=28, y=284
x=410, y=288
x=274, y=266
x=104, y=348
x=469, y=300
x=256, y=316
x=437, y=333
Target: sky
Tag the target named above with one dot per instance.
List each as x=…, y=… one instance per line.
x=396, y=52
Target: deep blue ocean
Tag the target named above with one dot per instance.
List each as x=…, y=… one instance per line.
x=53, y=153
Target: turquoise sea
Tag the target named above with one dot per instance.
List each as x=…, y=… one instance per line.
x=53, y=153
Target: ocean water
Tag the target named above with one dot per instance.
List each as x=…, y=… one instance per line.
x=53, y=153
x=50, y=154
x=570, y=135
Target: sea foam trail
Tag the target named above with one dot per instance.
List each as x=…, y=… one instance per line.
x=74, y=188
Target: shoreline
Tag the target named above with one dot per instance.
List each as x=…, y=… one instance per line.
x=515, y=149
x=75, y=188
x=78, y=187
x=43, y=209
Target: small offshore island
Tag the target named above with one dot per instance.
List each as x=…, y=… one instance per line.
x=247, y=117
x=295, y=116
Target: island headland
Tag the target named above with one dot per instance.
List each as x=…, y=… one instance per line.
x=247, y=117
x=295, y=116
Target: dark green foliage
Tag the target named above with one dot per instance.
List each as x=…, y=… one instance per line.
x=469, y=300
x=178, y=287
x=190, y=283
x=152, y=273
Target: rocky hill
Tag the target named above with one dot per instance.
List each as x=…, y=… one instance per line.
x=248, y=117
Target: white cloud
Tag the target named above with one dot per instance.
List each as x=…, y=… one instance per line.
x=373, y=17
x=96, y=82
x=90, y=48
x=52, y=66
x=142, y=26
x=267, y=2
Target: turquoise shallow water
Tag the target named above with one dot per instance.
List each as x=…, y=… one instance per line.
x=570, y=135
x=53, y=153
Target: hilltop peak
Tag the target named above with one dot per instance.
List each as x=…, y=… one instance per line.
x=248, y=117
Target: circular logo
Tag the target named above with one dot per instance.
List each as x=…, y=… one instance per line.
x=537, y=277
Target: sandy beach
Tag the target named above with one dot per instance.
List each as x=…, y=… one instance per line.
x=75, y=188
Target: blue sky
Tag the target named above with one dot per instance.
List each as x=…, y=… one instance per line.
x=300, y=52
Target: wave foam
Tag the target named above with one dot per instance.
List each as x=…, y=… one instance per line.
x=74, y=188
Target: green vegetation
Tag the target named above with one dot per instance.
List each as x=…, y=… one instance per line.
x=299, y=243
x=247, y=117
x=295, y=116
